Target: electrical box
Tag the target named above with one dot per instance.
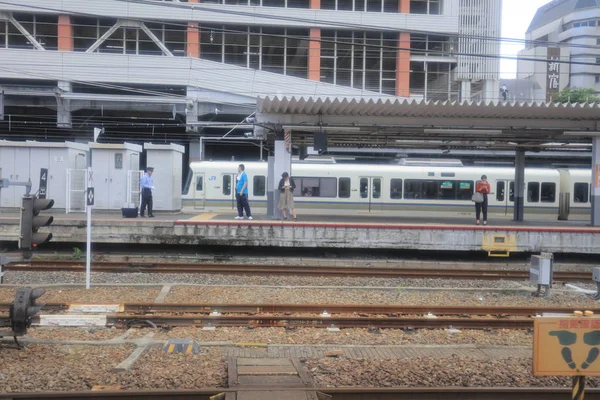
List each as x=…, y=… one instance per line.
x=540, y=269
x=596, y=274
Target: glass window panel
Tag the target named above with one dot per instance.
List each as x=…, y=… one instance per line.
x=364, y=188
x=328, y=4
x=391, y=6
x=226, y=185
x=211, y=39
x=511, y=192
x=374, y=5
x=199, y=183
x=260, y=185
x=273, y=44
x=418, y=6
x=376, y=188
x=236, y=46
x=533, y=192
x=345, y=5
x=465, y=190
x=396, y=189
x=298, y=3
x=500, y=187
x=344, y=188
x=359, y=5
x=580, y=192
x=3, y=34
x=317, y=187
x=548, y=192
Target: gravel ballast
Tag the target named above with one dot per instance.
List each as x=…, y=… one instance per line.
x=238, y=295
x=430, y=372
x=50, y=277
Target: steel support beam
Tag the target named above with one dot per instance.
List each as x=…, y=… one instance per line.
x=519, y=185
x=25, y=33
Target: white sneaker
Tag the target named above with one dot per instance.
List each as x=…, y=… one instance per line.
x=238, y=217
x=250, y=218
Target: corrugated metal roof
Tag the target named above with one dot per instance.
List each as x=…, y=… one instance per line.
x=558, y=9
x=394, y=107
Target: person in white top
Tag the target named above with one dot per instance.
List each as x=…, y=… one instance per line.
x=286, y=197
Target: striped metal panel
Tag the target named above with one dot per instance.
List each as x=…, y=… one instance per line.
x=233, y=15
x=479, y=19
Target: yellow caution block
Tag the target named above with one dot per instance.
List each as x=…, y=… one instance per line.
x=220, y=396
x=204, y=217
x=499, y=244
x=185, y=346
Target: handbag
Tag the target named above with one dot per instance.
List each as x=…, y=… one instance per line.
x=477, y=197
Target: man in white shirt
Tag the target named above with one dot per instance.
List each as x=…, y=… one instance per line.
x=147, y=185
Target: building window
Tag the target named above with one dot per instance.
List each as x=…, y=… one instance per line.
x=278, y=50
x=598, y=60
x=419, y=189
x=597, y=78
x=44, y=28
x=426, y=7
x=363, y=60
x=361, y=5
x=260, y=185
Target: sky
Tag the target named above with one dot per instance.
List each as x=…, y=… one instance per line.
x=516, y=17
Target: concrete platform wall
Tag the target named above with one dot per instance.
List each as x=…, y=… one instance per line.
x=497, y=240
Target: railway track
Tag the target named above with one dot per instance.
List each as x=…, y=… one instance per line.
x=452, y=393
x=313, y=316
x=291, y=270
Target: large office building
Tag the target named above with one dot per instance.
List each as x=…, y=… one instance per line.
x=154, y=70
x=565, y=30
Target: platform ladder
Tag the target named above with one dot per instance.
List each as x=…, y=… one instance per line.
x=76, y=190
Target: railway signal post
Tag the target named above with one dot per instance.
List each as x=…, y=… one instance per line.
x=567, y=346
x=31, y=221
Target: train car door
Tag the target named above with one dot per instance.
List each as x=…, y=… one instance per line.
x=505, y=197
x=227, y=190
x=199, y=193
x=371, y=191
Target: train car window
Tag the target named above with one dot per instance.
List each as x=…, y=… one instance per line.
x=396, y=189
x=260, y=185
x=364, y=188
x=465, y=190
x=448, y=190
x=199, y=183
x=376, y=188
x=448, y=175
x=420, y=189
x=500, y=188
x=533, y=192
x=548, y=194
x=581, y=192
x=227, y=185
x=344, y=188
x=317, y=187
x=188, y=181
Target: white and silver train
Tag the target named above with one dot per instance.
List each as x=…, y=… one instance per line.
x=394, y=190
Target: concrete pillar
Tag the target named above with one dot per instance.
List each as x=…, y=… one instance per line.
x=65, y=33
x=403, y=65
x=314, y=55
x=465, y=90
x=491, y=90
x=315, y=4
x=596, y=181
x=196, y=150
x=278, y=164
x=518, y=211
x=193, y=40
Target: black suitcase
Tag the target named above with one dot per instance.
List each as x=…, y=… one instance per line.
x=129, y=212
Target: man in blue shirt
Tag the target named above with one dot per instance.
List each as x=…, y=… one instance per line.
x=241, y=193
x=147, y=186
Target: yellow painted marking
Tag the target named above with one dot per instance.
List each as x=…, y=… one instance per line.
x=250, y=344
x=189, y=349
x=499, y=245
x=566, y=346
x=204, y=217
x=171, y=348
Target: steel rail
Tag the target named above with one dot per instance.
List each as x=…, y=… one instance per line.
x=319, y=321
x=293, y=270
x=202, y=308
x=416, y=393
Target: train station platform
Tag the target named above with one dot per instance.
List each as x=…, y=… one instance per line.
x=500, y=237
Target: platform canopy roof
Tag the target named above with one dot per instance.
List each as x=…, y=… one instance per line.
x=399, y=123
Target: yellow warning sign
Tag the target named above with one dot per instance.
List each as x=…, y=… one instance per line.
x=567, y=346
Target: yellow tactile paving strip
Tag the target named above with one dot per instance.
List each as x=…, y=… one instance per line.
x=203, y=217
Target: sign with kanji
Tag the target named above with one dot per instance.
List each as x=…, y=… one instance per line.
x=567, y=346
x=553, y=74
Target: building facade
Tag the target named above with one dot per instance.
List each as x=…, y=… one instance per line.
x=568, y=30
x=84, y=60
